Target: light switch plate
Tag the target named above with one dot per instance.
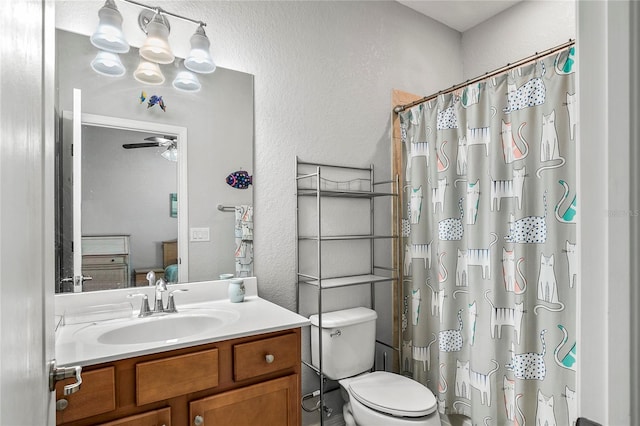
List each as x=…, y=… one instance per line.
x=199, y=234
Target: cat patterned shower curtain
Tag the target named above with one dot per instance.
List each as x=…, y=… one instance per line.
x=489, y=237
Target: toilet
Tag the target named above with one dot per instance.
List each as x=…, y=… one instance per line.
x=376, y=398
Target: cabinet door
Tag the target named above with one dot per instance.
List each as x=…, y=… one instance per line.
x=97, y=395
x=160, y=417
x=274, y=402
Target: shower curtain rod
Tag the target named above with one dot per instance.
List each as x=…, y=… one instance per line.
x=487, y=75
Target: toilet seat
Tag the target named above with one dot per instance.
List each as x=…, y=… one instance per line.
x=393, y=394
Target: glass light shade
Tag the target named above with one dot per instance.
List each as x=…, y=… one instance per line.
x=199, y=59
x=148, y=73
x=109, y=64
x=170, y=153
x=186, y=81
x=156, y=47
x=109, y=36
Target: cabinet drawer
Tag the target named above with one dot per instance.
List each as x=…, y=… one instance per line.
x=169, y=377
x=252, y=359
x=105, y=244
x=160, y=417
x=104, y=260
x=96, y=395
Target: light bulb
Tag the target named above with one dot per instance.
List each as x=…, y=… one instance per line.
x=156, y=47
x=148, y=73
x=199, y=59
x=109, y=36
x=109, y=64
x=186, y=81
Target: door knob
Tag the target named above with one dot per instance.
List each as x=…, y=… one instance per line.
x=56, y=374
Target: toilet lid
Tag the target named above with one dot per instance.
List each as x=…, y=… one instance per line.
x=393, y=394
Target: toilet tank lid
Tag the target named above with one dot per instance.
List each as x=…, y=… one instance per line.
x=344, y=317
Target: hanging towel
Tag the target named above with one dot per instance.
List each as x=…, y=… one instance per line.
x=244, y=241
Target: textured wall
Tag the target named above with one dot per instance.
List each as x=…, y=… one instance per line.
x=518, y=32
x=324, y=72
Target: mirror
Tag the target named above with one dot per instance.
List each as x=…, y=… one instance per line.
x=134, y=192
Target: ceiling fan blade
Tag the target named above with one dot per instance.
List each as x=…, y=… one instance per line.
x=140, y=145
x=162, y=140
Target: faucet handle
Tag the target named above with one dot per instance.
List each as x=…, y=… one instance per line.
x=171, y=304
x=161, y=284
x=151, y=277
x=144, y=306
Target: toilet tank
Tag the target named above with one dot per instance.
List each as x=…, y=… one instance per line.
x=348, y=342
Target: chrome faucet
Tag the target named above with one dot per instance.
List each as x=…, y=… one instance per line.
x=161, y=287
x=158, y=308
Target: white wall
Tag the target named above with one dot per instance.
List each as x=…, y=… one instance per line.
x=115, y=202
x=520, y=31
x=603, y=73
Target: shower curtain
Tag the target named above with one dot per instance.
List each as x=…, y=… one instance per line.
x=489, y=237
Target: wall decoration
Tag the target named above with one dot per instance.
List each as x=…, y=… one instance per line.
x=239, y=179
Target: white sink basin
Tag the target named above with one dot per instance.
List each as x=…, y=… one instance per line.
x=159, y=328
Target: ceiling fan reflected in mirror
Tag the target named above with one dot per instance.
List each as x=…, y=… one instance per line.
x=171, y=142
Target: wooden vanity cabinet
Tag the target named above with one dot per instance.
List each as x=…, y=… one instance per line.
x=252, y=380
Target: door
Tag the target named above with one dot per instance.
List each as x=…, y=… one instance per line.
x=26, y=211
x=93, y=163
x=273, y=402
x=78, y=278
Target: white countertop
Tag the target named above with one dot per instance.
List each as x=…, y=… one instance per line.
x=254, y=316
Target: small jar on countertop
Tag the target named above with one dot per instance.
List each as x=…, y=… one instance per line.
x=236, y=290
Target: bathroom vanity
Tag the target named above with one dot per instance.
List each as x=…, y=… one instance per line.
x=231, y=363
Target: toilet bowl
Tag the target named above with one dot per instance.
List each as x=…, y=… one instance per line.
x=387, y=399
x=374, y=398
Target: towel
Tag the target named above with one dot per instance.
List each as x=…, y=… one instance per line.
x=244, y=241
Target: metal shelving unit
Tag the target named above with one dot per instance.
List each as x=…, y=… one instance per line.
x=353, y=183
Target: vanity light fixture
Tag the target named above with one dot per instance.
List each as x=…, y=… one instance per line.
x=155, y=50
x=156, y=47
x=187, y=81
x=109, y=36
x=108, y=63
x=148, y=73
x=199, y=59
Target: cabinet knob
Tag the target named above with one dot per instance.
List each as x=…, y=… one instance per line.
x=61, y=404
x=269, y=358
x=198, y=421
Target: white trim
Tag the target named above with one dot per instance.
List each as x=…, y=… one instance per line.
x=604, y=224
